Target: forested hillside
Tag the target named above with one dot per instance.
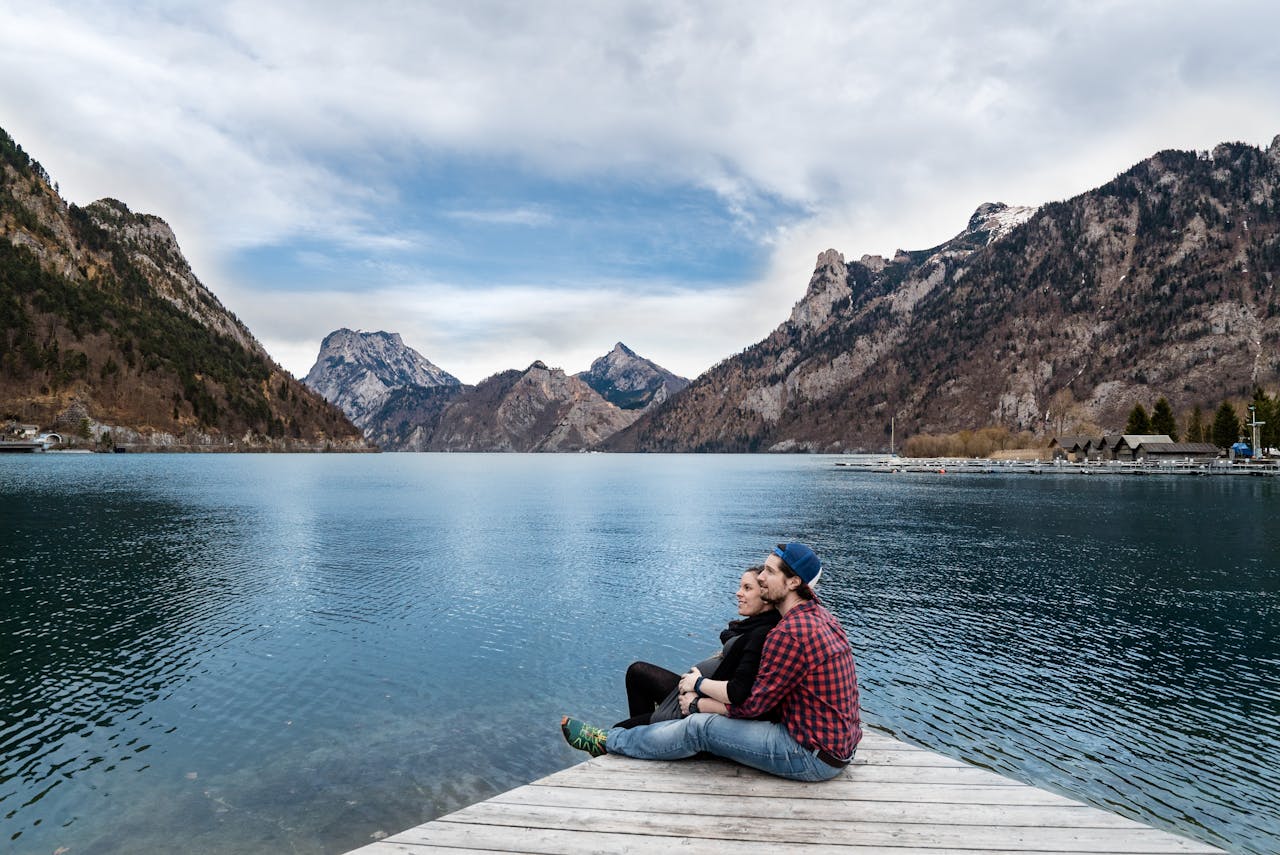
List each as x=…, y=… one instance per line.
x=108, y=336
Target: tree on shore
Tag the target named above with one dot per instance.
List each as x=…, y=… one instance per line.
x=1265, y=410
x=1226, y=426
x=1162, y=420
x=1139, y=422
x=1195, y=425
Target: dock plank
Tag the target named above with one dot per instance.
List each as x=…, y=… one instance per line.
x=466, y=841
x=837, y=790
x=895, y=799
x=858, y=771
x=763, y=807
x=730, y=830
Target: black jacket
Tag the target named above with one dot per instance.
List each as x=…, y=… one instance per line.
x=743, y=642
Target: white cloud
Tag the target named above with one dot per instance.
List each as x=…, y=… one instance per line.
x=475, y=333
x=524, y=216
x=247, y=124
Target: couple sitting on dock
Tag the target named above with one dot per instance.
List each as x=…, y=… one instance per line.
x=781, y=697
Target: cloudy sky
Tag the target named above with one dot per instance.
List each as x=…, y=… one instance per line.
x=508, y=181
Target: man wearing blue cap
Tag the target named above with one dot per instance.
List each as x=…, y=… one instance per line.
x=806, y=672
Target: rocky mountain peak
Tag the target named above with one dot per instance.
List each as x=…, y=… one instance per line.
x=828, y=286
x=873, y=263
x=153, y=247
x=996, y=219
x=356, y=370
x=538, y=409
x=629, y=381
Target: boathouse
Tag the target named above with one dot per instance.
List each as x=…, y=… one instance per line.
x=1200, y=452
x=1126, y=445
x=1072, y=448
x=1100, y=448
x=1078, y=449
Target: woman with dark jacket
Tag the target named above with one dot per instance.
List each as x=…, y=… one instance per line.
x=652, y=691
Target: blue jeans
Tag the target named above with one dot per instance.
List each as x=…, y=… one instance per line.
x=762, y=745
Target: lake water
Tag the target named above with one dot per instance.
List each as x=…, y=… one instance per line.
x=298, y=653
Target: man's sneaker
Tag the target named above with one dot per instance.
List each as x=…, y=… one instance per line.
x=583, y=736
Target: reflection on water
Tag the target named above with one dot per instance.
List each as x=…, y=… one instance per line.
x=252, y=653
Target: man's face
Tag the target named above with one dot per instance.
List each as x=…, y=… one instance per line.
x=774, y=583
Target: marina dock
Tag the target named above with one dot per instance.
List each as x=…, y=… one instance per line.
x=894, y=799
x=963, y=466
x=21, y=447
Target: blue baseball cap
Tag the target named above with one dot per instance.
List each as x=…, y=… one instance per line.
x=802, y=561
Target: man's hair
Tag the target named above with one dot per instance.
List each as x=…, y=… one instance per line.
x=804, y=592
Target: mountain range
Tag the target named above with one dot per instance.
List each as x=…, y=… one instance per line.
x=108, y=336
x=405, y=403
x=1055, y=319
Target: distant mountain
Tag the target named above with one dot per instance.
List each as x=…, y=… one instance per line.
x=107, y=335
x=357, y=370
x=629, y=381
x=1057, y=320
x=538, y=409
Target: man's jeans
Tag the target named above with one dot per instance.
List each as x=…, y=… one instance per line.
x=762, y=745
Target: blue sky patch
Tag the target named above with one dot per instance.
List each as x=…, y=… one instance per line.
x=469, y=223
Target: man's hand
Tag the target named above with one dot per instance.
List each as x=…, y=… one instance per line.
x=688, y=680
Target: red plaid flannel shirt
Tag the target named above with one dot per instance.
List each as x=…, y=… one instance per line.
x=807, y=670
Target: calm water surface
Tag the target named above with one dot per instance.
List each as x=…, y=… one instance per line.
x=297, y=653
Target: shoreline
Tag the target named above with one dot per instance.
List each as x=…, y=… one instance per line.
x=968, y=466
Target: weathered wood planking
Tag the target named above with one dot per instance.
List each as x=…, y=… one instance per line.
x=895, y=799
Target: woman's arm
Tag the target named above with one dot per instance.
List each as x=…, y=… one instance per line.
x=737, y=688
x=706, y=705
x=716, y=690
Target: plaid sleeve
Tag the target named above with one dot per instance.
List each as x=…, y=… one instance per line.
x=781, y=668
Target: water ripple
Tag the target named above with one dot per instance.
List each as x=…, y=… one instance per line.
x=293, y=653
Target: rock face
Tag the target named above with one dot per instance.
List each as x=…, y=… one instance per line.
x=629, y=381
x=102, y=317
x=538, y=409
x=357, y=370
x=1161, y=282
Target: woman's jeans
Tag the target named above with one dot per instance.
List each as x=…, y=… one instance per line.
x=762, y=745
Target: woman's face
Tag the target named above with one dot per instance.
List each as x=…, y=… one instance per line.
x=749, y=600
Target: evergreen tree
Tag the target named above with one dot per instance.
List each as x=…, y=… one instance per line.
x=1264, y=410
x=1162, y=420
x=1195, y=425
x=1226, y=426
x=1139, y=422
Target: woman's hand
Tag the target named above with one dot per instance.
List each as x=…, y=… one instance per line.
x=686, y=698
x=688, y=681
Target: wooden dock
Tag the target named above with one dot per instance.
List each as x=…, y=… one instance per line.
x=895, y=799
